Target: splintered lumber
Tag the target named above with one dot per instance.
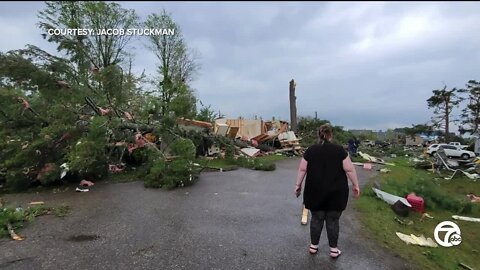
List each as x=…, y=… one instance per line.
x=12, y=233
x=304, y=215
x=37, y=203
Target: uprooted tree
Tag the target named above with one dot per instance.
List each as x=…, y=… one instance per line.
x=83, y=109
x=443, y=101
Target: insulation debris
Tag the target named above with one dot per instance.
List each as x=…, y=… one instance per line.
x=417, y=240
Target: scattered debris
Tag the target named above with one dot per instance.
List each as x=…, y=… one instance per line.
x=12, y=233
x=406, y=223
x=85, y=183
x=115, y=168
x=37, y=203
x=264, y=135
x=417, y=240
x=221, y=129
x=65, y=170
x=213, y=150
x=367, y=166
x=385, y=170
x=418, y=204
x=471, y=176
x=251, y=152
x=473, y=198
x=81, y=189
x=465, y=266
x=400, y=209
x=374, y=159
x=466, y=218
x=389, y=198
x=427, y=216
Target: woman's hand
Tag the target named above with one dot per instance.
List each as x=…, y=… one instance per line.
x=298, y=190
x=356, y=191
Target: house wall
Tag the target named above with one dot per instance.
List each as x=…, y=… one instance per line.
x=417, y=140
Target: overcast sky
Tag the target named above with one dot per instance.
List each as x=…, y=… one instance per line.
x=358, y=64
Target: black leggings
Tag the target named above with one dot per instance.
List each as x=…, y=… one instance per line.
x=316, y=226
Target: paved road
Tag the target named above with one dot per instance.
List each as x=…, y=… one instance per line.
x=241, y=219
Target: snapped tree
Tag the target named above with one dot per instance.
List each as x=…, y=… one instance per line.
x=443, y=101
x=79, y=107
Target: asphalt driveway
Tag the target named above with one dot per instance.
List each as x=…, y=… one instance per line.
x=241, y=219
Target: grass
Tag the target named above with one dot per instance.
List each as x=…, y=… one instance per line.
x=273, y=158
x=266, y=163
x=18, y=217
x=128, y=175
x=441, y=197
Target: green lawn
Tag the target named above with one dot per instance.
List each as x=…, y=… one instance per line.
x=443, y=199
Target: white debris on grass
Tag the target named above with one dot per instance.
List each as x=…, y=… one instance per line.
x=417, y=240
x=390, y=198
x=466, y=218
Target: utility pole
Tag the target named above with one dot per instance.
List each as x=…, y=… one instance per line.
x=293, y=106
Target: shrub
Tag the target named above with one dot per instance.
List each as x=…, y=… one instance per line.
x=177, y=173
x=183, y=148
x=89, y=156
x=17, y=181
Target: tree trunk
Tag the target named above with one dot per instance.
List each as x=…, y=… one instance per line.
x=447, y=120
x=293, y=106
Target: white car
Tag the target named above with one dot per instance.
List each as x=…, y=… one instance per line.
x=368, y=143
x=458, y=144
x=450, y=151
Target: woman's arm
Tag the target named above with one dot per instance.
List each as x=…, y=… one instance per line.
x=352, y=175
x=302, y=170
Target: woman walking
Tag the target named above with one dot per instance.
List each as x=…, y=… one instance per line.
x=327, y=166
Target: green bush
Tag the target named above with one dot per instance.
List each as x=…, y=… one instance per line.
x=89, y=155
x=183, y=148
x=177, y=173
x=52, y=174
x=156, y=174
x=17, y=181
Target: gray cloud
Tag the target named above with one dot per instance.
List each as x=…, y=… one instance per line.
x=358, y=64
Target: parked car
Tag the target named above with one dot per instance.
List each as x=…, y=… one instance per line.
x=368, y=143
x=458, y=144
x=450, y=151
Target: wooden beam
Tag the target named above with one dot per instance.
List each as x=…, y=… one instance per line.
x=304, y=215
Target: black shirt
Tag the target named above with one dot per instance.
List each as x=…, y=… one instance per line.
x=326, y=185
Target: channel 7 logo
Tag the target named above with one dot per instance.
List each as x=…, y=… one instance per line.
x=452, y=235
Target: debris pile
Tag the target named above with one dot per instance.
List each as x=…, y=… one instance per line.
x=249, y=138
